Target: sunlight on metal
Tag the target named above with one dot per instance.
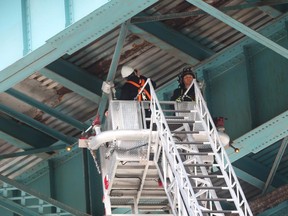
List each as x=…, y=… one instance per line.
x=37, y=125
x=240, y=27
x=163, y=45
x=75, y=123
x=276, y=163
x=73, y=38
x=260, y=137
x=34, y=151
x=113, y=67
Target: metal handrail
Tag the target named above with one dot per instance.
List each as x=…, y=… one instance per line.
x=180, y=191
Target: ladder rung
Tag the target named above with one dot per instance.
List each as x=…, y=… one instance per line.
x=198, y=165
x=179, y=111
x=197, y=153
x=185, y=132
x=211, y=188
x=221, y=211
x=191, y=143
x=176, y=117
x=206, y=176
x=179, y=121
x=215, y=199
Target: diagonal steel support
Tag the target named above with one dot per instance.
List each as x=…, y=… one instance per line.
x=19, y=95
x=33, y=151
x=113, y=66
x=240, y=27
x=260, y=137
x=276, y=164
x=6, y=200
x=37, y=125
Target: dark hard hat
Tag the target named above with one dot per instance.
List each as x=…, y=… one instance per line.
x=187, y=70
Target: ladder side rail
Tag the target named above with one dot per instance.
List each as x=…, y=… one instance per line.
x=208, y=182
x=187, y=194
x=222, y=159
x=181, y=182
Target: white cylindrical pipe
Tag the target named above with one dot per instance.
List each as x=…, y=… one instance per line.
x=107, y=136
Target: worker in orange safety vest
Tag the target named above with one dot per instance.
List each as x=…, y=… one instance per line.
x=134, y=83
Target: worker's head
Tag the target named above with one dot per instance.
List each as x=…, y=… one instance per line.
x=126, y=71
x=186, y=77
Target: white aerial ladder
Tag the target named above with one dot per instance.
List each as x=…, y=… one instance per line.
x=165, y=158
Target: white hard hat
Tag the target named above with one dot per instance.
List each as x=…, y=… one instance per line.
x=126, y=71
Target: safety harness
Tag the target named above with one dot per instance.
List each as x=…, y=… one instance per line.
x=141, y=97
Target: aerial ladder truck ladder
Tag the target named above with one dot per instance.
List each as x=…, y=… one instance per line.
x=165, y=158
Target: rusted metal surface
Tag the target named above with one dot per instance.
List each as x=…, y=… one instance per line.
x=269, y=200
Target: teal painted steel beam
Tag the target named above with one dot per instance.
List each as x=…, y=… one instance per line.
x=26, y=26
x=268, y=9
x=67, y=74
x=260, y=137
x=14, y=141
x=275, y=165
x=232, y=55
x=16, y=208
x=163, y=45
x=259, y=171
x=240, y=27
x=154, y=18
x=69, y=18
x=248, y=178
x=113, y=67
x=177, y=40
x=251, y=84
x=12, y=185
x=37, y=125
x=73, y=38
x=75, y=123
x=33, y=151
x=70, y=85
x=272, y=12
x=23, y=136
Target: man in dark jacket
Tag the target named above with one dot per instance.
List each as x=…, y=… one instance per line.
x=134, y=83
x=185, y=79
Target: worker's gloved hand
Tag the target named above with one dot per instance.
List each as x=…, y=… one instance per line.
x=179, y=99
